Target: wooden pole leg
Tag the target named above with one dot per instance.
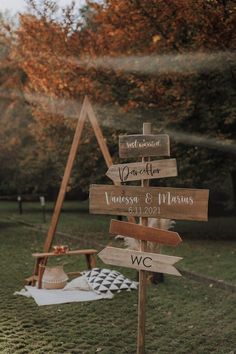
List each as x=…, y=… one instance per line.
x=36, y=266
x=33, y=280
x=40, y=275
x=91, y=261
x=142, y=273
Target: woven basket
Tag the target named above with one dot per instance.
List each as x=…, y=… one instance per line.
x=54, y=278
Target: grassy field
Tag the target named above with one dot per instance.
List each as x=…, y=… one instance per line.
x=183, y=316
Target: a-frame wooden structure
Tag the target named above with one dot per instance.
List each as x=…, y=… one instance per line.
x=86, y=111
x=41, y=258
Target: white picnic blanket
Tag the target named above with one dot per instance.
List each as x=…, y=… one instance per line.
x=51, y=297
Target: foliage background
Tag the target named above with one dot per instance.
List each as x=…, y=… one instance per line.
x=171, y=63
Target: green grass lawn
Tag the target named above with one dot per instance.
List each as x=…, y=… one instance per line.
x=183, y=316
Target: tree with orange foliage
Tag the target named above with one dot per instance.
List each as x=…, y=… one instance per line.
x=15, y=139
x=167, y=62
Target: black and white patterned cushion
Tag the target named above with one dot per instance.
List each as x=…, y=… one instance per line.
x=105, y=280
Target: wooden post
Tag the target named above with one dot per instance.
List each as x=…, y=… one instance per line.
x=142, y=273
x=144, y=202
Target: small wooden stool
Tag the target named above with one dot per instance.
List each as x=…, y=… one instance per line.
x=41, y=259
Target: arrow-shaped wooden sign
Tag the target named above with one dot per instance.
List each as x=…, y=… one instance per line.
x=151, y=202
x=139, y=170
x=145, y=233
x=139, y=260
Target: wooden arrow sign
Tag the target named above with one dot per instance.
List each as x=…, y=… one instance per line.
x=145, y=233
x=144, y=145
x=147, y=170
x=173, y=203
x=140, y=260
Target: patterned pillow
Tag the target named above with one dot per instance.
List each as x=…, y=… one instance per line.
x=105, y=280
x=79, y=283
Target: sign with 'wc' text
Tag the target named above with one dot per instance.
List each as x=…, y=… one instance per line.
x=173, y=203
x=144, y=145
x=152, y=262
x=142, y=170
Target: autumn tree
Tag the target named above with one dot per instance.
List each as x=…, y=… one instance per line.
x=55, y=89
x=15, y=138
x=171, y=63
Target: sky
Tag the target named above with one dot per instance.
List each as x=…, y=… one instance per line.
x=15, y=6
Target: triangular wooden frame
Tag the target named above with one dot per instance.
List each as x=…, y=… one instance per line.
x=86, y=110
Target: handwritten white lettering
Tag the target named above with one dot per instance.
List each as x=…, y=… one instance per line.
x=142, y=144
x=148, y=199
x=120, y=199
x=169, y=199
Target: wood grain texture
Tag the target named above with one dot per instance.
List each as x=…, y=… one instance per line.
x=142, y=170
x=68, y=253
x=145, y=233
x=152, y=262
x=144, y=145
x=173, y=203
x=142, y=291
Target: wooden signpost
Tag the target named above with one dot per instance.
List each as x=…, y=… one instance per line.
x=145, y=202
x=151, y=262
x=136, y=171
x=145, y=233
